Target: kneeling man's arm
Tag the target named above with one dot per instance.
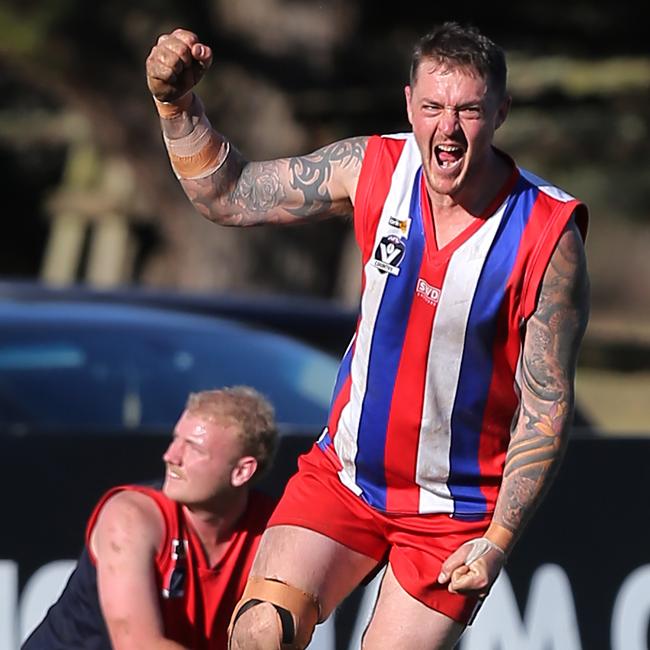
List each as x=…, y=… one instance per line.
x=125, y=540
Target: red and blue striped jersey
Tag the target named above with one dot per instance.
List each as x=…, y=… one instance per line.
x=428, y=389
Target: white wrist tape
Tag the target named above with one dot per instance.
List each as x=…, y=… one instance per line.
x=480, y=547
x=198, y=154
x=171, y=110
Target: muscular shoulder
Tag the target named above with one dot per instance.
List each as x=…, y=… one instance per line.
x=556, y=328
x=566, y=280
x=336, y=165
x=127, y=519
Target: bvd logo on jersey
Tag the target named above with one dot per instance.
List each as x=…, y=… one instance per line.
x=389, y=254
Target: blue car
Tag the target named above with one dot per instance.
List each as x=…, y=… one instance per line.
x=110, y=367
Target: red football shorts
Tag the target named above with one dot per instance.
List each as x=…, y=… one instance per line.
x=414, y=545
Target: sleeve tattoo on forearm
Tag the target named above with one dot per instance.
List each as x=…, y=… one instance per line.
x=260, y=187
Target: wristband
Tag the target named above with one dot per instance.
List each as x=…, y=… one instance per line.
x=170, y=110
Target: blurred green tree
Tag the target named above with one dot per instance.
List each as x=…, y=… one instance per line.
x=289, y=76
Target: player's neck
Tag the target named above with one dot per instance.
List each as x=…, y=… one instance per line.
x=214, y=525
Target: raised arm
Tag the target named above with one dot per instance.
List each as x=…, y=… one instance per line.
x=221, y=184
x=553, y=336
x=124, y=541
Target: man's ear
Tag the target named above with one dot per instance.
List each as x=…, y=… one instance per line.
x=503, y=111
x=243, y=471
x=408, y=95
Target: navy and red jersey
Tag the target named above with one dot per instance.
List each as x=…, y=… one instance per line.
x=196, y=600
x=427, y=391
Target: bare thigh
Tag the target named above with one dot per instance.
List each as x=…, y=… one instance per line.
x=312, y=562
x=401, y=621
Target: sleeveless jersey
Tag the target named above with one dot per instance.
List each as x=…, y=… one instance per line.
x=426, y=393
x=196, y=601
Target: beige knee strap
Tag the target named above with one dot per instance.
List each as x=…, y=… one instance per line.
x=304, y=607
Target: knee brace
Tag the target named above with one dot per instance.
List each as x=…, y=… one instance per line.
x=298, y=611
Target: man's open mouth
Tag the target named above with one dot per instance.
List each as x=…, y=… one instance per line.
x=448, y=155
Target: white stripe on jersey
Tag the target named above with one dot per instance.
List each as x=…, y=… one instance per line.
x=398, y=203
x=443, y=365
x=546, y=187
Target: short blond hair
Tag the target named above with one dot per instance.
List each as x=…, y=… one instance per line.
x=246, y=408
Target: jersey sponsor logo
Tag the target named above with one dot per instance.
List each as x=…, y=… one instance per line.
x=403, y=224
x=428, y=293
x=389, y=254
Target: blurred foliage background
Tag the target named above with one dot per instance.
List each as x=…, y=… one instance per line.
x=88, y=195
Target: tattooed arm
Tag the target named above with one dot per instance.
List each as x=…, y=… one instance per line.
x=552, y=340
x=222, y=185
x=550, y=351
x=289, y=190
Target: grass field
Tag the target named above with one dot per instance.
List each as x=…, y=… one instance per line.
x=613, y=380
x=618, y=403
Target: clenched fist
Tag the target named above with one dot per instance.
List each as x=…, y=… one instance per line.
x=176, y=64
x=473, y=568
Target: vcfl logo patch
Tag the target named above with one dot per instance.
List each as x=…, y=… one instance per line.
x=389, y=254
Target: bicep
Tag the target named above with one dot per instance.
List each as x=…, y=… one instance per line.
x=292, y=190
x=553, y=334
x=124, y=542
